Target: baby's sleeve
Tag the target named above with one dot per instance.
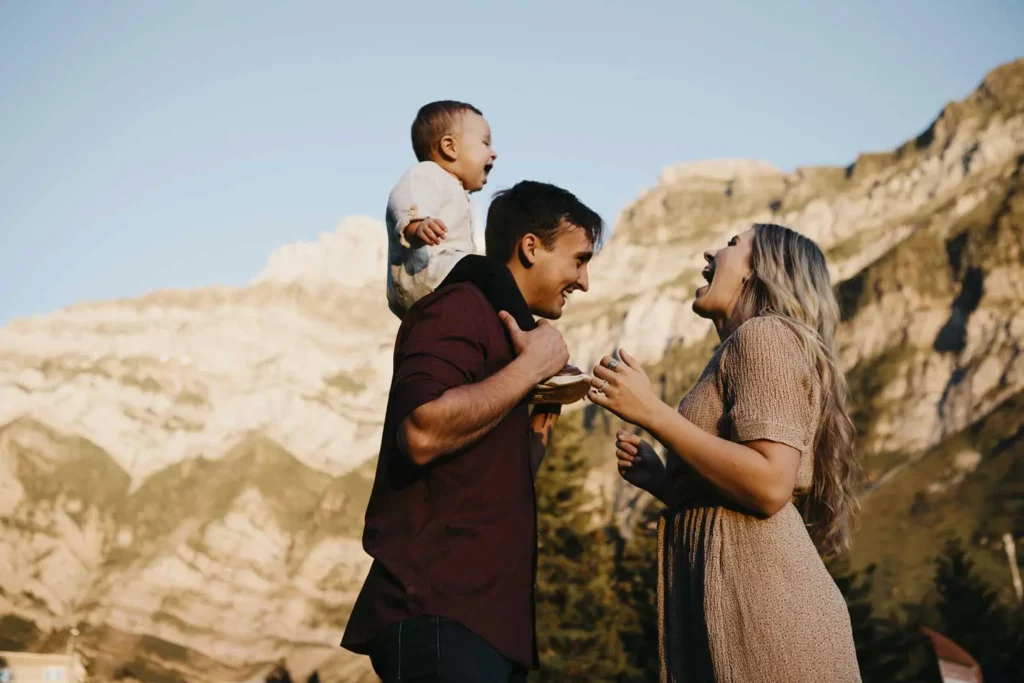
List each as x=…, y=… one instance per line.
x=416, y=196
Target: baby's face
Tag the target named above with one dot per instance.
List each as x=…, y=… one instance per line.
x=475, y=155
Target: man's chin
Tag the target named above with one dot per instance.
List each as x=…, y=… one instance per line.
x=549, y=312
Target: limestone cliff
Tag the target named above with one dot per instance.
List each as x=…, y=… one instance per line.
x=926, y=248
x=184, y=474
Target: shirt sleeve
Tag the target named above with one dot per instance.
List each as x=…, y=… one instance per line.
x=769, y=386
x=417, y=195
x=444, y=348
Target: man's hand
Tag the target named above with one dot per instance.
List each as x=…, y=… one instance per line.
x=543, y=350
x=429, y=231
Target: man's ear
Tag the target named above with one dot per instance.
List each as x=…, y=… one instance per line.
x=528, y=247
x=448, y=148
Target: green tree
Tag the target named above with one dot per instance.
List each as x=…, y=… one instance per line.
x=888, y=649
x=1014, y=661
x=579, y=616
x=636, y=585
x=279, y=674
x=969, y=612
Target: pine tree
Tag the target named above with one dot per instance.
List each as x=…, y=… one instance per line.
x=636, y=584
x=279, y=674
x=888, y=650
x=1014, y=661
x=969, y=612
x=579, y=616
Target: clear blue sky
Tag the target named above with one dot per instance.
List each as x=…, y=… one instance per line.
x=146, y=145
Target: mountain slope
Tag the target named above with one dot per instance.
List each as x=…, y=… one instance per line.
x=185, y=474
x=925, y=246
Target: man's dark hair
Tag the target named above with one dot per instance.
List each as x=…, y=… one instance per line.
x=538, y=208
x=433, y=122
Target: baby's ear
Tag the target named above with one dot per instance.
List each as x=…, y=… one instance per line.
x=449, y=148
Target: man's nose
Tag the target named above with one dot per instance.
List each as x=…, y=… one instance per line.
x=583, y=282
x=709, y=255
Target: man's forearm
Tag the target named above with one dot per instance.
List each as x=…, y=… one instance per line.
x=464, y=414
x=542, y=424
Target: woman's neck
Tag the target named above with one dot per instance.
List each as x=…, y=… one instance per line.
x=727, y=324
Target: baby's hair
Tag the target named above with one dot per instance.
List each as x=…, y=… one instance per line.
x=433, y=122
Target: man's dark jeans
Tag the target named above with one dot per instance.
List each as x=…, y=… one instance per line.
x=432, y=649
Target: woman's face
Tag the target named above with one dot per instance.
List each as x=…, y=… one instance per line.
x=726, y=272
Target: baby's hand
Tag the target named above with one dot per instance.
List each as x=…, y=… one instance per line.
x=431, y=231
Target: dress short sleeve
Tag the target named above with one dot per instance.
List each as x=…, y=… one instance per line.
x=769, y=385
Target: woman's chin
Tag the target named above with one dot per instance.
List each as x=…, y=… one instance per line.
x=699, y=300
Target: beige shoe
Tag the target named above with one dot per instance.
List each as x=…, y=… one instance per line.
x=568, y=386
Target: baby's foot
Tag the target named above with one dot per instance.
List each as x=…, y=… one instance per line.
x=570, y=385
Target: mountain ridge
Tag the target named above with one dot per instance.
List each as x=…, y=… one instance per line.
x=234, y=429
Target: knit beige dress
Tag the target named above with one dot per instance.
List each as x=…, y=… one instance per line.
x=742, y=598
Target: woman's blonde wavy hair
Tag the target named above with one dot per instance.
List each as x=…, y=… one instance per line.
x=790, y=280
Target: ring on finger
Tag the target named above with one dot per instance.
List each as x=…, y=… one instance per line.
x=612, y=364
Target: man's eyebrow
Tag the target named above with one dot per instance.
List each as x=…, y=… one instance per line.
x=585, y=255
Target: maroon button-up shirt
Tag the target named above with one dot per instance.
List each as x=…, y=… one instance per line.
x=456, y=538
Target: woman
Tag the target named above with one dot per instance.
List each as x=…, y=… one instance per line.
x=744, y=596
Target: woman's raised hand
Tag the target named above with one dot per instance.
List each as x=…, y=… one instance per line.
x=624, y=388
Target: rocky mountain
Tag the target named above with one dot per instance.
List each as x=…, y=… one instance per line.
x=926, y=248
x=184, y=475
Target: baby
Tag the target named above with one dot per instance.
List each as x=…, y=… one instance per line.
x=429, y=221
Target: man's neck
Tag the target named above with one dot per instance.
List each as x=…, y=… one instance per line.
x=520, y=276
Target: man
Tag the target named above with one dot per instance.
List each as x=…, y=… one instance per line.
x=451, y=522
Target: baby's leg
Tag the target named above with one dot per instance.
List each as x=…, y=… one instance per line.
x=496, y=282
